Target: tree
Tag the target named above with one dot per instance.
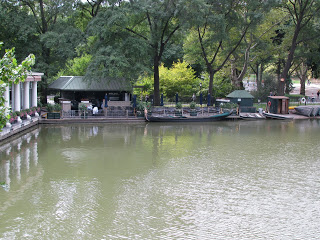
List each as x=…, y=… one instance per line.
x=152, y=24
x=56, y=34
x=11, y=72
x=302, y=17
x=221, y=28
x=171, y=80
x=257, y=48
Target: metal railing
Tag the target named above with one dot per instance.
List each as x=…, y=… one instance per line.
x=101, y=114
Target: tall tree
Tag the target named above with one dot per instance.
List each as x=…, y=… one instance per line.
x=56, y=41
x=151, y=23
x=220, y=29
x=302, y=16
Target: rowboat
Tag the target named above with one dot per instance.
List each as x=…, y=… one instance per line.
x=276, y=116
x=252, y=116
x=169, y=118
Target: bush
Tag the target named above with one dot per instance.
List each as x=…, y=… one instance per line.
x=57, y=107
x=178, y=105
x=50, y=107
x=140, y=106
x=192, y=105
x=270, y=85
x=82, y=107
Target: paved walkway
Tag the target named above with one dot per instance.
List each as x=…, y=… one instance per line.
x=311, y=90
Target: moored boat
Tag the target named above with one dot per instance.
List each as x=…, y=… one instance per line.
x=276, y=116
x=309, y=111
x=252, y=116
x=169, y=118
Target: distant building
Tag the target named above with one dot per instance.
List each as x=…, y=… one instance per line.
x=23, y=95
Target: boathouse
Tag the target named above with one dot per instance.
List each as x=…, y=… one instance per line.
x=77, y=89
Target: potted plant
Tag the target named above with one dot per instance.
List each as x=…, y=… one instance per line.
x=178, y=111
x=57, y=111
x=13, y=118
x=193, y=111
x=83, y=110
x=53, y=111
x=23, y=114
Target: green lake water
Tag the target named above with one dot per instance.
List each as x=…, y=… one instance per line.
x=224, y=180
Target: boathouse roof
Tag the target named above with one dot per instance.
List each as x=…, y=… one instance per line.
x=240, y=94
x=78, y=83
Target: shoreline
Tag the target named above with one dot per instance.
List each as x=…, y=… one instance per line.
x=7, y=133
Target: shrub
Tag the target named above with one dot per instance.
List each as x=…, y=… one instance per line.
x=57, y=107
x=82, y=107
x=50, y=107
x=192, y=105
x=178, y=105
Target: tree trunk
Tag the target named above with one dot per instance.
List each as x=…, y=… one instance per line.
x=156, y=88
x=233, y=72
x=211, y=75
x=302, y=74
x=287, y=66
x=303, y=86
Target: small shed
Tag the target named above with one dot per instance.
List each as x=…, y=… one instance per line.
x=241, y=97
x=278, y=104
x=244, y=99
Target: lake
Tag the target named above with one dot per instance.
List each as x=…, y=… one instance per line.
x=222, y=180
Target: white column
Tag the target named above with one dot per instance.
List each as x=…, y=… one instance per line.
x=26, y=103
x=12, y=97
x=34, y=100
x=16, y=97
x=7, y=97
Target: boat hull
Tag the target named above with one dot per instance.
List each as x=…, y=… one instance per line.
x=217, y=117
x=276, y=116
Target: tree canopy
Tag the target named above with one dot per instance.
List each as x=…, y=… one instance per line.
x=99, y=38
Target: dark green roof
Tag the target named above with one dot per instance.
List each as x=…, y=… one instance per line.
x=77, y=83
x=240, y=94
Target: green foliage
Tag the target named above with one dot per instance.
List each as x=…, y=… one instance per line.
x=192, y=105
x=141, y=106
x=270, y=85
x=11, y=72
x=57, y=107
x=229, y=105
x=222, y=85
x=50, y=108
x=82, y=107
x=180, y=78
x=178, y=105
x=76, y=66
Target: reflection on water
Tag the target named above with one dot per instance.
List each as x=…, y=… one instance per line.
x=224, y=180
